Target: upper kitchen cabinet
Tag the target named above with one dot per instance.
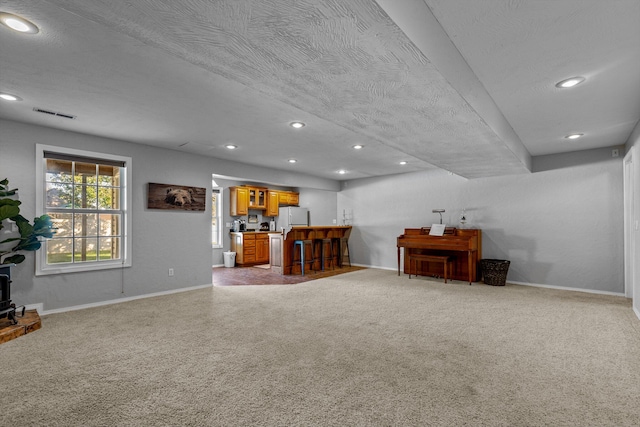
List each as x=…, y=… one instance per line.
x=288, y=198
x=273, y=203
x=246, y=198
x=239, y=204
x=257, y=198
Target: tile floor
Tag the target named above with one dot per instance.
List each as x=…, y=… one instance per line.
x=237, y=276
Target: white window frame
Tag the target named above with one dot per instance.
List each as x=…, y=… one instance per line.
x=219, y=218
x=126, y=200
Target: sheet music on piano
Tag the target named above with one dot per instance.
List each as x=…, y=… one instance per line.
x=437, y=229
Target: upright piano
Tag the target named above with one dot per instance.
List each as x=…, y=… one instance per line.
x=464, y=246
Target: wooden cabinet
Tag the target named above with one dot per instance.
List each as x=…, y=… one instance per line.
x=288, y=198
x=273, y=203
x=257, y=198
x=245, y=198
x=239, y=203
x=244, y=245
x=250, y=248
x=294, y=199
x=262, y=248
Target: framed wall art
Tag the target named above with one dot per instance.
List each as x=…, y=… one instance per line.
x=176, y=197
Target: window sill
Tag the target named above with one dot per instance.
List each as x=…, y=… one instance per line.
x=78, y=268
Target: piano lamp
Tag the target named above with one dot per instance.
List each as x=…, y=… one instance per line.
x=439, y=211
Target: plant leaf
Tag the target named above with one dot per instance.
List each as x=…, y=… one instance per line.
x=8, y=211
x=14, y=259
x=43, y=226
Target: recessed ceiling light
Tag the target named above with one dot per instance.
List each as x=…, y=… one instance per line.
x=342, y=171
x=18, y=23
x=358, y=147
x=574, y=136
x=403, y=162
x=10, y=97
x=571, y=82
x=231, y=146
x=292, y=160
x=297, y=125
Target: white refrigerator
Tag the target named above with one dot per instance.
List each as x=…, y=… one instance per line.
x=292, y=216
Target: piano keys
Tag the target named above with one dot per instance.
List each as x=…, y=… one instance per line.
x=464, y=246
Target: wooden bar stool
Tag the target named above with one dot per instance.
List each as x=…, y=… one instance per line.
x=344, y=251
x=342, y=243
x=302, y=259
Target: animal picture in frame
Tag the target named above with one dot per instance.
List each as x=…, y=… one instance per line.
x=176, y=197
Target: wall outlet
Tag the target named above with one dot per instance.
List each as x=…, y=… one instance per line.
x=171, y=272
x=335, y=221
x=615, y=152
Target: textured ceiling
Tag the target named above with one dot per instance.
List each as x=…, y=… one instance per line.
x=465, y=86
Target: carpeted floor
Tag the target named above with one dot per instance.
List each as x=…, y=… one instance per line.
x=366, y=348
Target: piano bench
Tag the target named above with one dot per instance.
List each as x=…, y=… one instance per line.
x=445, y=260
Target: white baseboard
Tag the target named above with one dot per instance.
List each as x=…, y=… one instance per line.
x=565, y=288
x=119, y=300
x=37, y=307
x=374, y=266
x=635, y=310
x=217, y=265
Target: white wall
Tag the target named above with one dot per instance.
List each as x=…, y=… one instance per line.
x=562, y=226
x=322, y=205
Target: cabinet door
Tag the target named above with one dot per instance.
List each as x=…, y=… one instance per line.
x=262, y=248
x=262, y=198
x=273, y=203
x=289, y=198
x=239, y=204
x=294, y=199
x=257, y=198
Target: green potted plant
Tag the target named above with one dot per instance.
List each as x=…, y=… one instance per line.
x=17, y=234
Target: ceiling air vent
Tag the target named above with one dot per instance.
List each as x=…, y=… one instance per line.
x=53, y=113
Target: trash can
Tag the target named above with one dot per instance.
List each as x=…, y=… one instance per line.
x=229, y=259
x=494, y=271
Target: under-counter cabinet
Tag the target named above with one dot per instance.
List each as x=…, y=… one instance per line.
x=250, y=248
x=262, y=248
x=244, y=245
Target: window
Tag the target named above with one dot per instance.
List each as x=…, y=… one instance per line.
x=86, y=195
x=216, y=217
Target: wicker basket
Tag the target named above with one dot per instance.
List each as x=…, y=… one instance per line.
x=494, y=271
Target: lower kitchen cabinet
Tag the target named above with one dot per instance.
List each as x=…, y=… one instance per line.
x=250, y=248
x=262, y=248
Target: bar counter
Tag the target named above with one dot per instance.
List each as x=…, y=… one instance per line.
x=281, y=245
